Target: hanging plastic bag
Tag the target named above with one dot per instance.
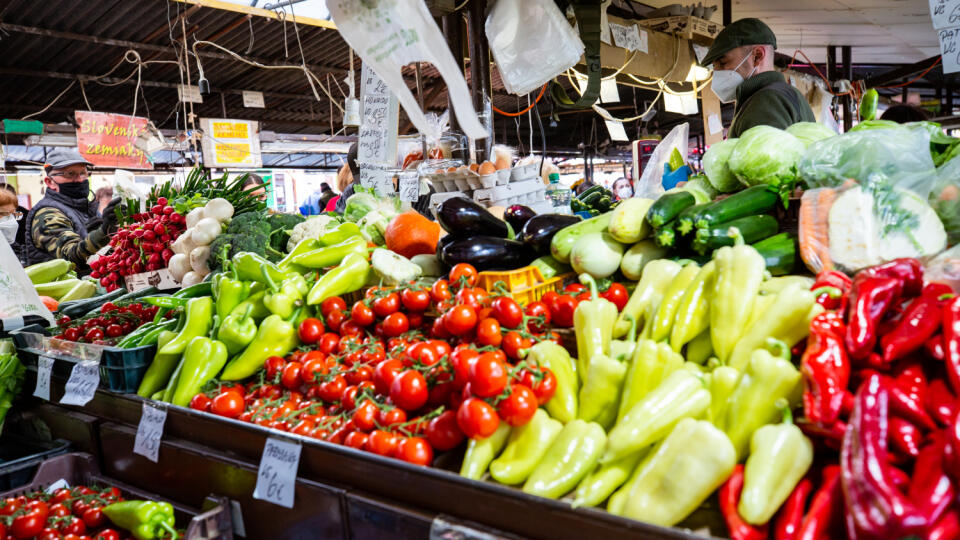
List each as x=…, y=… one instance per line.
x=531, y=42
x=945, y=268
x=650, y=184
x=945, y=198
x=18, y=297
x=389, y=34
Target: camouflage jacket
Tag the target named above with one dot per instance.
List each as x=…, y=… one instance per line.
x=52, y=232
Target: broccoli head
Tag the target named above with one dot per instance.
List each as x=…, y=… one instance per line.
x=280, y=227
x=255, y=242
x=249, y=223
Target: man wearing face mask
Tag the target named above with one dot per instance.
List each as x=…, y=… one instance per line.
x=63, y=224
x=742, y=59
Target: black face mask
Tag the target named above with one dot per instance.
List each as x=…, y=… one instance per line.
x=75, y=190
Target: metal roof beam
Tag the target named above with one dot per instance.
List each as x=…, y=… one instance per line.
x=895, y=75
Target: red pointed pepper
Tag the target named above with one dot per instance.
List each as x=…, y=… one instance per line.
x=948, y=528
x=786, y=524
x=951, y=341
x=930, y=486
x=875, y=508
x=870, y=299
x=905, y=437
x=729, y=495
x=837, y=280
x=825, y=368
x=934, y=347
x=951, y=451
x=908, y=271
x=918, y=323
x=941, y=404
x=910, y=378
x=826, y=507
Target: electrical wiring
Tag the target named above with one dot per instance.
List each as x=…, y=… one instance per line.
x=915, y=79
x=60, y=95
x=521, y=113
x=605, y=115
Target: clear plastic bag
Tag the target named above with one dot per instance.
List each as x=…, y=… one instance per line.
x=945, y=268
x=945, y=198
x=650, y=184
x=18, y=297
x=531, y=42
x=897, y=157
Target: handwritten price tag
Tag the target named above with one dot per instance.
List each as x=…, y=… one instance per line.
x=409, y=185
x=950, y=49
x=82, y=384
x=278, y=472
x=150, y=431
x=944, y=13
x=44, y=367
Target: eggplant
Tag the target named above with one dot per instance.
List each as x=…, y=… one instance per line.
x=487, y=253
x=464, y=218
x=518, y=215
x=539, y=230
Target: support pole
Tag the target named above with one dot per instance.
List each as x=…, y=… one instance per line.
x=479, y=63
x=846, y=100
x=727, y=15
x=453, y=32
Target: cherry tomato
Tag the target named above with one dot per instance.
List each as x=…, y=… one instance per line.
x=395, y=324
x=549, y=298
x=488, y=376
x=415, y=319
x=388, y=417
x=201, y=402
x=114, y=330
x=385, y=305
x=617, y=294
x=365, y=416
x=537, y=310
x=360, y=374
x=74, y=525
x=59, y=495
x=415, y=299
x=381, y=442
x=229, y=404
x=313, y=370
x=334, y=303
x=332, y=389
x=562, y=313
x=574, y=288
x=463, y=275
x=58, y=510
x=460, y=319
x=28, y=525
x=350, y=328
x=440, y=291
x=384, y=374
x=439, y=329
x=544, y=388
x=519, y=407
x=310, y=330
x=93, y=334
x=462, y=360
x=477, y=418
x=328, y=343
x=513, y=343
x=361, y=314
x=469, y=297
x=415, y=450
x=291, y=376
x=409, y=390
x=107, y=534
x=443, y=432
x=488, y=332
x=335, y=319
x=507, y=311
x=356, y=439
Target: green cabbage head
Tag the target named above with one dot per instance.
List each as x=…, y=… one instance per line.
x=810, y=132
x=717, y=168
x=766, y=155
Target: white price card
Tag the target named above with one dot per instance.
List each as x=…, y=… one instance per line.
x=950, y=49
x=82, y=384
x=44, y=367
x=945, y=13
x=150, y=431
x=409, y=186
x=277, y=476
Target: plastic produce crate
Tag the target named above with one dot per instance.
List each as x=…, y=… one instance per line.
x=525, y=285
x=81, y=469
x=21, y=456
x=121, y=370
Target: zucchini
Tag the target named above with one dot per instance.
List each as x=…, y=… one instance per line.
x=563, y=241
x=668, y=206
x=135, y=295
x=576, y=205
x=79, y=308
x=591, y=200
x=753, y=229
x=749, y=202
x=688, y=217
x=200, y=289
x=779, y=252
x=589, y=191
x=603, y=204
x=665, y=236
x=550, y=267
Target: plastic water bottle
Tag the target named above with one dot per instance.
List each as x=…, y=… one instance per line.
x=558, y=195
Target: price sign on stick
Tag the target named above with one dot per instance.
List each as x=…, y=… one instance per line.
x=44, y=367
x=278, y=472
x=150, y=432
x=409, y=186
x=82, y=384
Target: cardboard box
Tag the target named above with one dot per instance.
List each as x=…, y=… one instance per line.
x=700, y=31
x=160, y=279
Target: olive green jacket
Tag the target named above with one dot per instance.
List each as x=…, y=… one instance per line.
x=767, y=99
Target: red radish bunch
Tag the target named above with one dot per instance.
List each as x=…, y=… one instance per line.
x=142, y=246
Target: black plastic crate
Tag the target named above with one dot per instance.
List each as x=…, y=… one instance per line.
x=21, y=456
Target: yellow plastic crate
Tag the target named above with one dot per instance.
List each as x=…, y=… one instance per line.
x=515, y=280
x=527, y=295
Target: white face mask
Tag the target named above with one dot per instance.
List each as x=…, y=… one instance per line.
x=624, y=192
x=726, y=81
x=9, y=226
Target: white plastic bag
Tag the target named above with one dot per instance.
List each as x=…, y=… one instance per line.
x=532, y=43
x=945, y=268
x=390, y=34
x=18, y=297
x=650, y=184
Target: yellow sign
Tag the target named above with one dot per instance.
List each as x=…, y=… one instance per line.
x=230, y=130
x=230, y=143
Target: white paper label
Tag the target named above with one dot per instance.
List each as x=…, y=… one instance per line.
x=82, y=384
x=713, y=124
x=608, y=91
x=277, y=476
x=150, y=432
x=61, y=483
x=189, y=94
x=161, y=279
x=945, y=13
x=253, y=99
x=44, y=367
x=949, y=50
x=700, y=51
x=409, y=184
x=629, y=37
x=617, y=133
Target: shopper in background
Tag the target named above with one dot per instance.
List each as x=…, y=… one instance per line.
x=10, y=219
x=347, y=178
x=57, y=226
x=326, y=193
x=742, y=58
x=316, y=203
x=101, y=198
x=902, y=114
x=20, y=213
x=622, y=189
x=254, y=184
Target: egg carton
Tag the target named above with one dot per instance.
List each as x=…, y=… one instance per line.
x=525, y=172
x=531, y=190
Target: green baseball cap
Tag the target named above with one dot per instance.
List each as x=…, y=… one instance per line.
x=737, y=34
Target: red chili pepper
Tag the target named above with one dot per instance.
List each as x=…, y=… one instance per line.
x=948, y=528
x=938, y=290
x=898, y=478
x=875, y=507
x=934, y=347
x=729, y=495
x=832, y=278
x=870, y=299
x=910, y=378
x=831, y=298
x=919, y=321
x=905, y=437
x=901, y=404
x=930, y=487
x=826, y=507
x=908, y=271
x=951, y=342
x=825, y=368
x=786, y=524
x=951, y=451
x=941, y=404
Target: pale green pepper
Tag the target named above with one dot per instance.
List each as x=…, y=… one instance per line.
x=656, y=276
x=593, y=325
x=789, y=310
x=652, y=363
x=622, y=349
x=480, y=452
x=603, y=481
x=563, y=405
x=722, y=381
x=571, y=457
x=739, y=274
x=659, y=328
x=700, y=348
x=525, y=448
x=693, y=313
x=600, y=395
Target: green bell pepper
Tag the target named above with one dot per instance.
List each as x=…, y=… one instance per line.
x=681, y=395
x=693, y=313
x=739, y=273
x=255, y=302
x=480, y=452
x=525, y=448
x=158, y=374
x=228, y=292
x=199, y=320
x=602, y=482
x=275, y=337
x=281, y=299
x=331, y=255
x=593, y=323
x=780, y=455
x=145, y=520
x=690, y=464
x=287, y=265
x=652, y=362
x=788, y=311
x=236, y=332
x=600, y=394
x=659, y=328
x=656, y=277
x=350, y=276
x=202, y=360
x=569, y=459
x=767, y=378
x=563, y=405
x=341, y=232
